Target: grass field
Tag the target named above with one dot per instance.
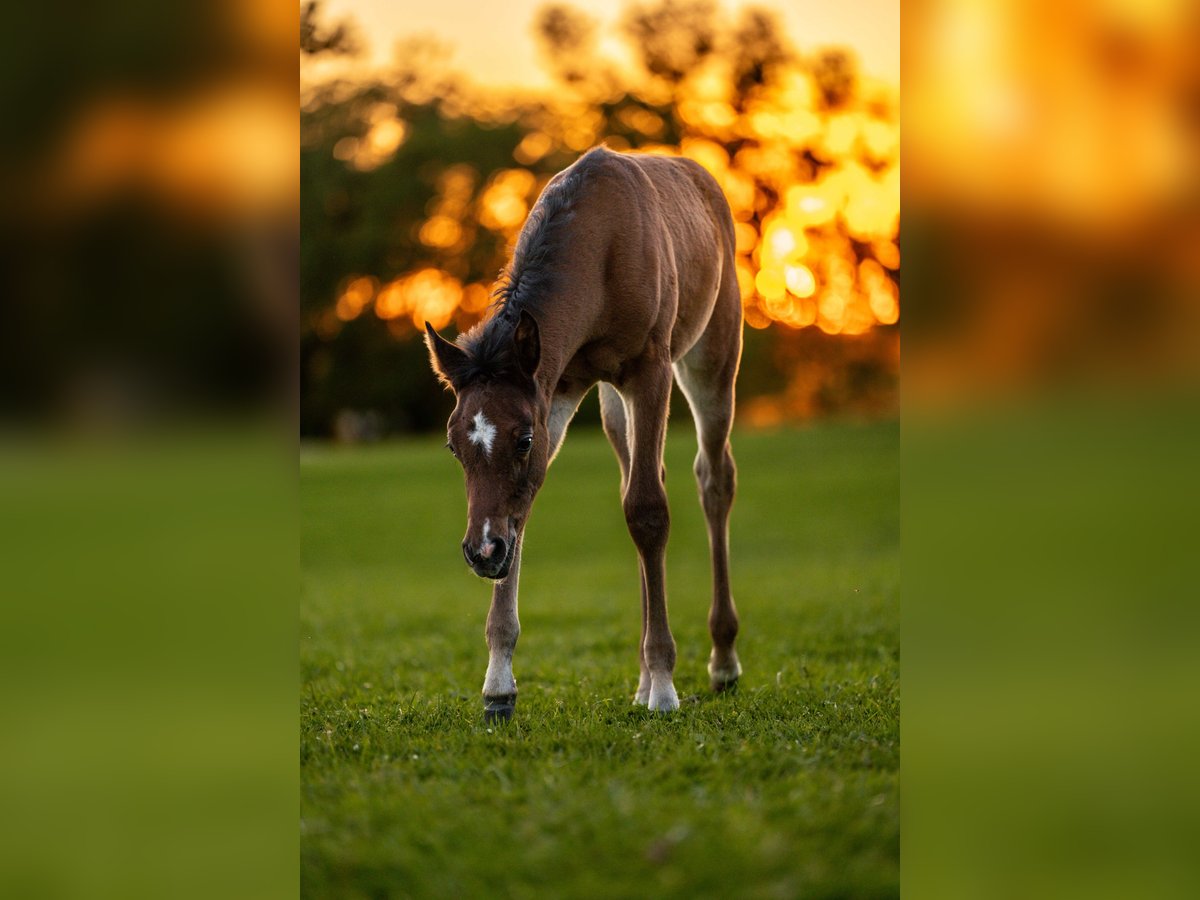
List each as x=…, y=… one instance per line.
x=788, y=788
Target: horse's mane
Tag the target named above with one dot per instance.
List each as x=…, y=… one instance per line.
x=529, y=280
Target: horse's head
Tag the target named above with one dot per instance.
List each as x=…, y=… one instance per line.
x=498, y=432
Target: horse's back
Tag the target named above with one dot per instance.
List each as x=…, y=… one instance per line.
x=673, y=205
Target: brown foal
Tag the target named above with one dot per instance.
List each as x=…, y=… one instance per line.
x=623, y=274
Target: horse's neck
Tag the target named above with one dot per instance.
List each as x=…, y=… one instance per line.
x=550, y=373
x=563, y=332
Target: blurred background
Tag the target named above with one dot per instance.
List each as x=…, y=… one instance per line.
x=1051, y=195
x=426, y=137
x=1051, y=355
x=150, y=222
x=148, y=251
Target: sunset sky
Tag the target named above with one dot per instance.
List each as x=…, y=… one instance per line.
x=493, y=42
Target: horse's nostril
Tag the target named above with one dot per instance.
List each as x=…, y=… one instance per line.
x=493, y=553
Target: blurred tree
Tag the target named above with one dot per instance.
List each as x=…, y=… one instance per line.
x=316, y=38
x=757, y=49
x=143, y=252
x=836, y=76
x=672, y=37
x=568, y=42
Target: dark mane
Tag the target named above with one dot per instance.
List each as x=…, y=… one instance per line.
x=529, y=280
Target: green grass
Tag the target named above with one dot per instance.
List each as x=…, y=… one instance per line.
x=787, y=788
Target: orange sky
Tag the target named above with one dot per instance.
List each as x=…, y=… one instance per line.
x=491, y=40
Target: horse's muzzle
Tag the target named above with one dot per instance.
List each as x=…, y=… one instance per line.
x=496, y=564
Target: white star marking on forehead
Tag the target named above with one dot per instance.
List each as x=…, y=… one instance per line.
x=483, y=434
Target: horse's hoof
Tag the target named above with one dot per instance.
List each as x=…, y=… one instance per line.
x=499, y=708
x=724, y=678
x=663, y=699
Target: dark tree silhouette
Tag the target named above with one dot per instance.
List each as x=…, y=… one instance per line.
x=756, y=48
x=672, y=36
x=836, y=75
x=317, y=38
x=568, y=40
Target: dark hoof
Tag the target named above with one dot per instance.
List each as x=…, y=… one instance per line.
x=725, y=687
x=499, y=708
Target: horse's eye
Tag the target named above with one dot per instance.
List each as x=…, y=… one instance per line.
x=524, y=442
x=450, y=447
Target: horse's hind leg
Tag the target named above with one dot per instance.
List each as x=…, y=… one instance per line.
x=649, y=521
x=706, y=375
x=616, y=427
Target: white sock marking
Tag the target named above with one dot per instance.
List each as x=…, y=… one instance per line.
x=662, y=694
x=483, y=434
x=499, y=679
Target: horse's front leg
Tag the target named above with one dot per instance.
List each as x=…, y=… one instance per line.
x=503, y=629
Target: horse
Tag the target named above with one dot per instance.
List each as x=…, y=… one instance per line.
x=622, y=275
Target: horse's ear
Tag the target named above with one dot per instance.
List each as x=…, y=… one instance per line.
x=449, y=361
x=528, y=342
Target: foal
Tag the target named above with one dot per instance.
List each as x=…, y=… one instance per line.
x=623, y=273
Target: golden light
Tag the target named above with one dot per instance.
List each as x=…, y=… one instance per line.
x=475, y=298
x=345, y=149
x=809, y=205
x=880, y=138
x=808, y=188
x=502, y=211
x=456, y=184
x=441, y=232
x=887, y=253
x=770, y=284
x=709, y=154
x=858, y=318
x=884, y=305
x=797, y=91
x=217, y=152
x=428, y=294
x=357, y=294
x=756, y=318
x=745, y=278
x=346, y=310
x=579, y=137
x=642, y=120
x=740, y=192
x=716, y=115
x=533, y=147
x=503, y=205
x=390, y=303
x=385, y=138
x=784, y=242
x=880, y=291
x=806, y=313
x=831, y=312
x=779, y=308
x=840, y=134
x=800, y=280
x=746, y=237
x=434, y=295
